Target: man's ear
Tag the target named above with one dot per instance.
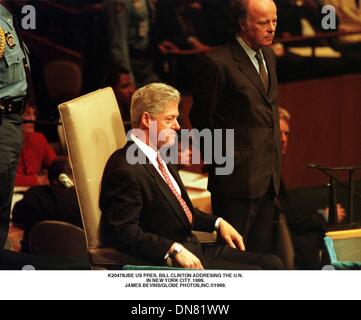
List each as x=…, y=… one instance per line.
x=242, y=24
x=145, y=120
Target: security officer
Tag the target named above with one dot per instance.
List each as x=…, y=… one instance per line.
x=128, y=25
x=13, y=92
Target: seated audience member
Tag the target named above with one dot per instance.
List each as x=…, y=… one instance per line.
x=129, y=25
x=349, y=14
x=57, y=201
x=298, y=17
x=307, y=229
x=146, y=211
x=123, y=88
x=195, y=24
x=36, y=154
x=182, y=25
x=304, y=18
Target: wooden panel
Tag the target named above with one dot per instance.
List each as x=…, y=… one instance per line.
x=325, y=127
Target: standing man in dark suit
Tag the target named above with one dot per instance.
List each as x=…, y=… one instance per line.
x=236, y=88
x=146, y=211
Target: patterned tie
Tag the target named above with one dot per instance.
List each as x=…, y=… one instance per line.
x=167, y=179
x=262, y=71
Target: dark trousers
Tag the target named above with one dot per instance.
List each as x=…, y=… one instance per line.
x=221, y=257
x=307, y=247
x=215, y=257
x=11, y=139
x=254, y=219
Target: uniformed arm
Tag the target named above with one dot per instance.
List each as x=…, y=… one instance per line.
x=121, y=205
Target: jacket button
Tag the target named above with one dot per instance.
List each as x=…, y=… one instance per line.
x=188, y=239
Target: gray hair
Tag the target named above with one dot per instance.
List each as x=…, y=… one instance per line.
x=284, y=114
x=153, y=99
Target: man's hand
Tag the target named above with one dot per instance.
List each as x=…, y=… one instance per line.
x=168, y=47
x=186, y=259
x=231, y=236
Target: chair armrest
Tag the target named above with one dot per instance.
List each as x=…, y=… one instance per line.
x=106, y=258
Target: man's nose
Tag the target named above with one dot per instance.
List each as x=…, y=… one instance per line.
x=283, y=137
x=176, y=125
x=272, y=27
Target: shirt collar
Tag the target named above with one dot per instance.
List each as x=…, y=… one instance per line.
x=250, y=52
x=150, y=153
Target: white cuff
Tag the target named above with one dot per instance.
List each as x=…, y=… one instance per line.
x=169, y=252
x=216, y=225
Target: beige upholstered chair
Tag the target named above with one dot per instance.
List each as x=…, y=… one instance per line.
x=93, y=130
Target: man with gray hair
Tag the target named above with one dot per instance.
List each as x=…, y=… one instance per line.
x=236, y=88
x=146, y=212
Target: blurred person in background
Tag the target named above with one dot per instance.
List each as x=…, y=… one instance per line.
x=307, y=228
x=56, y=201
x=36, y=153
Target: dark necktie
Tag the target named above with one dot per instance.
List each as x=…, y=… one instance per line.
x=262, y=71
x=167, y=179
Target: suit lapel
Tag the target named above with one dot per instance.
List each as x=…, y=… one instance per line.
x=166, y=191
x=163, y=187
x=247, y=67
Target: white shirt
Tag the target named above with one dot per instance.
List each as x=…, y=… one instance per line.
x=252, y=54
x=151, y=154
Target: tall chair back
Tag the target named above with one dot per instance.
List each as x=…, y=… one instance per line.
x=93, y=130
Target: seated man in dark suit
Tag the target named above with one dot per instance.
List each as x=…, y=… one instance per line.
x=146, y=211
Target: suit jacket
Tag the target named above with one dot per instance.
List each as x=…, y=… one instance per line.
x=229, y=94
x=141, y=216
